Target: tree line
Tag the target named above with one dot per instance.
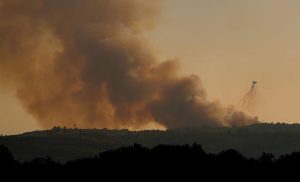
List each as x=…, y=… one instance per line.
x=162, y=156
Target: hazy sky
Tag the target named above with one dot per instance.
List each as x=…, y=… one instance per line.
x=228, y=43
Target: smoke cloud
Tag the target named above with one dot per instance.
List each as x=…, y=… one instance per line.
x=88, y=63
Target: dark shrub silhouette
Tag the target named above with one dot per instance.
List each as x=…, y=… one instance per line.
x=176, y=158
x=6, y=158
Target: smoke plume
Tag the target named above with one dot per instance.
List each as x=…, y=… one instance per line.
x=88, y=63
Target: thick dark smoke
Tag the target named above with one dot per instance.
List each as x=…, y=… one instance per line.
x=86, y=62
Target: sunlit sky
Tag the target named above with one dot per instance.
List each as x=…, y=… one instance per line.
x=227, y=43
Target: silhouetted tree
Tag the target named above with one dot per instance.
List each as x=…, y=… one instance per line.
x=6, y=158
x=176, y=157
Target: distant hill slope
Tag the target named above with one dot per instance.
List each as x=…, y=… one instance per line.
x=68, y=144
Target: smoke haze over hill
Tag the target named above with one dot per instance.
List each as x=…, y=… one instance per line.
x=88, y=63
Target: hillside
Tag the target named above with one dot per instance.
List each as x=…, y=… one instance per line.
x=67, y=144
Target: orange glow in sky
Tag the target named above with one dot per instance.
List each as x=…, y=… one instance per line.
x=227, y=44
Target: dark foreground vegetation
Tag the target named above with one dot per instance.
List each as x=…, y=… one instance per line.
x=160, y=159
x=64, y=144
